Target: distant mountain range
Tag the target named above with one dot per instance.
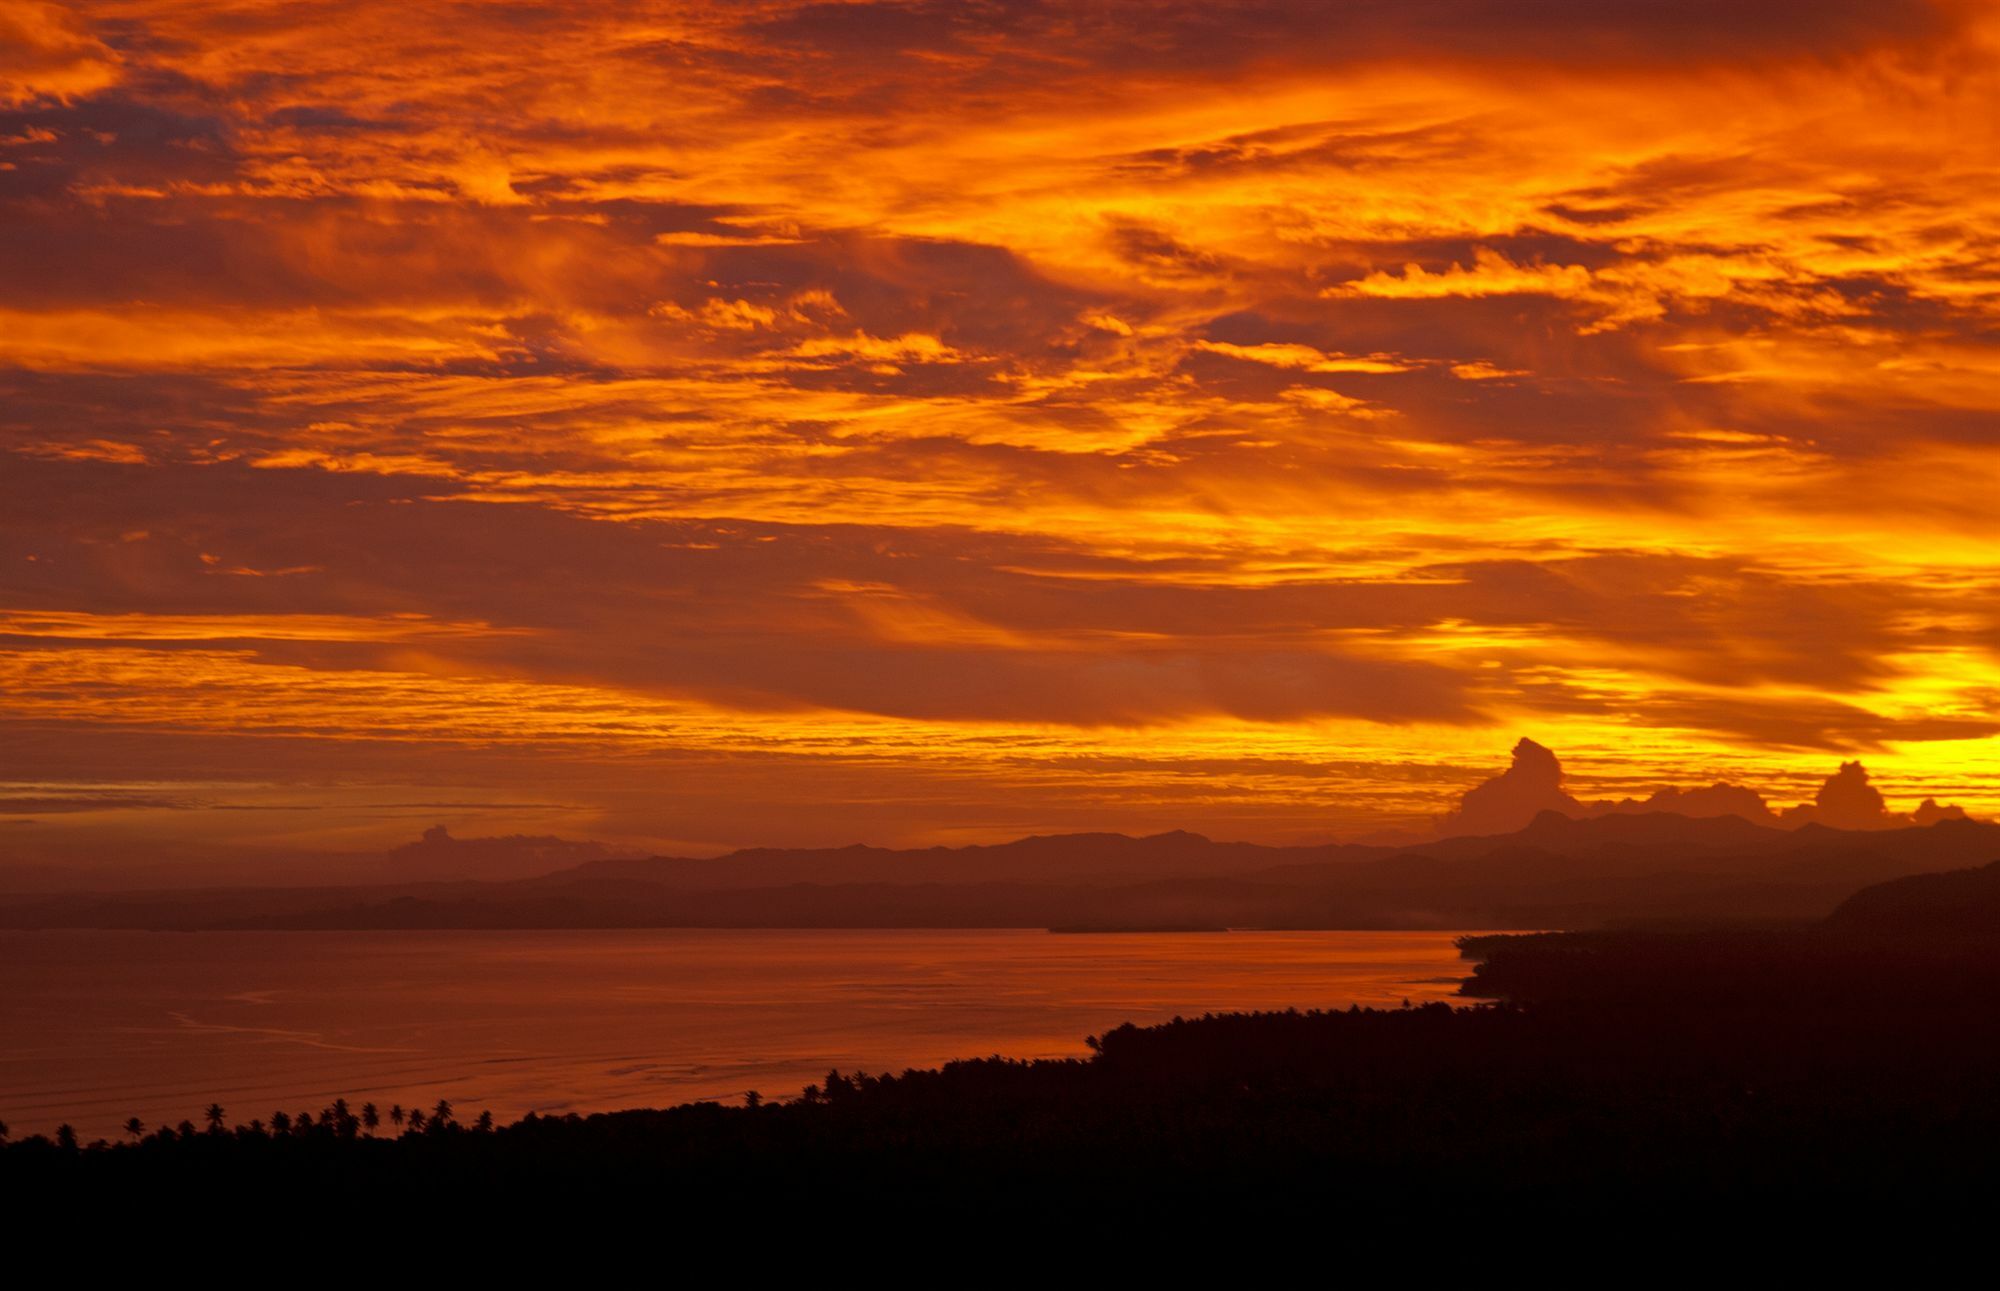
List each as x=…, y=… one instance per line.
x=1558, y=872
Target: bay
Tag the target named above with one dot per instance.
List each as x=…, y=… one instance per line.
x=96, y=1027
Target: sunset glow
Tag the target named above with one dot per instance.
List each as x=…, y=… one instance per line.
x=696, y=426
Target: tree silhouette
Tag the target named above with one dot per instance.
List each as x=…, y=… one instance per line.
x=281, y=1122
x=396, y=1116
x=215, y=1116
x=3, y=1131
x=136, y=1128
x=371, y=1120
x=66, y=1137
x=1791, y=1098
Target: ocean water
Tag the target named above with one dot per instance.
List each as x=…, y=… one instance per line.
x=96, y=1027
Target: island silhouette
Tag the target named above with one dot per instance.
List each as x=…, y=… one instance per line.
x=1517, y=852
x=1787, y=1010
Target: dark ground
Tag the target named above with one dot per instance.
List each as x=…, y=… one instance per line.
x=1850, y=1067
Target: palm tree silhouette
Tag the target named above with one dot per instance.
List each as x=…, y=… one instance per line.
x=441, y=1114
x=136, y=1128
x=215, y=1116
x=371, y=1120
x=416, y=1120
x=485, y=1123
x=396, y=1116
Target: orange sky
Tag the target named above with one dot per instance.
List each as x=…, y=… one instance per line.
x=701, y=425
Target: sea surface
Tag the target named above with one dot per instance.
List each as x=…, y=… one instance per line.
x=96, y=1027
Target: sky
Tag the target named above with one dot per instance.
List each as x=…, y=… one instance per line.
x=692, y=426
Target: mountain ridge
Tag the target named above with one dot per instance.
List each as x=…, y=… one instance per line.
x=1556, y=872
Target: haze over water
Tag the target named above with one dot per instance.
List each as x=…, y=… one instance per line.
x=99, y=1026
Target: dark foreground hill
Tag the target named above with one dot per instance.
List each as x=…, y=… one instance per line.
x=1557, y=872
x=1847, y=1068
x=1960, y=908
x=1897, y=946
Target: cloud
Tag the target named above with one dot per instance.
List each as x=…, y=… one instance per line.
x=51, y=804
x=1490, y=274
x=1531, y=785
x=853, y=412
x=47, y=52
x=1303, y=357
x=889, y=37
x=1634, y=290
x=1701, y=802
x=1847, y=800
x=1930, y=811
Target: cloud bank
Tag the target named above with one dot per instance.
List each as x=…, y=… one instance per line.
x=913, y=421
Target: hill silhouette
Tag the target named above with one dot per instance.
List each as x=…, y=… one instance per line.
x=1558, y=871
x=1905, y=945
x=1518, y=851
x=1958, y=907
x=1795, y=1072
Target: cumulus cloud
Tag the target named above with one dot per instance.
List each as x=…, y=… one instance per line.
x=1717, y=799
x=1845, y=801
x=1849, y=800
x=1930, y=811
x=1532, y=784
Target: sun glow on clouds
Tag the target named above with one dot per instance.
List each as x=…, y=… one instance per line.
x=785, y=422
